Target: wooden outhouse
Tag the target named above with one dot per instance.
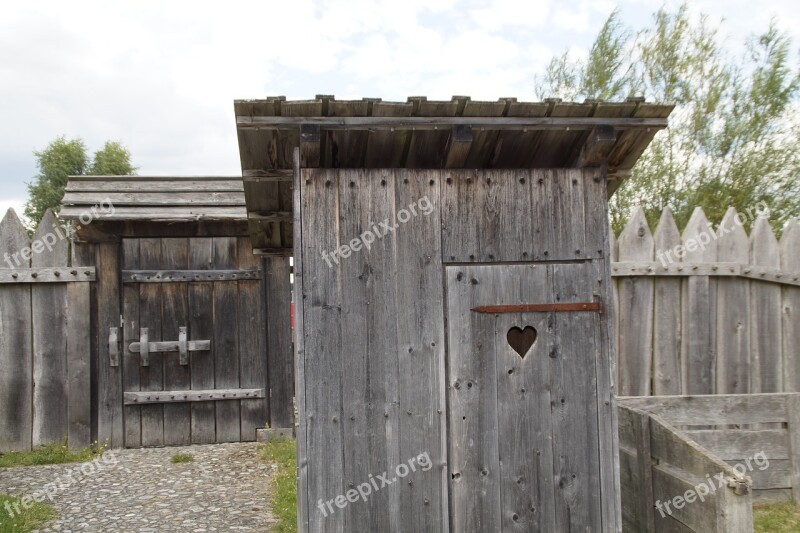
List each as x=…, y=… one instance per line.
x=451, y=258
x=179, y=349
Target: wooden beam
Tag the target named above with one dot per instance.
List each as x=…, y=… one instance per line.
x=274, y=252
x=309, y=144
x=173, y=276
x=168, y=346
x=267, y=176
x=270, y=216
x=192, y=395
x=458, y=145
x=47, y=275
x=434, y=123
x=598, y=145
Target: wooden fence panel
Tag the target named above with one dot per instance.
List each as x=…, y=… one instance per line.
x=667, y=316
x=16, y=354
x=45, y=339
x=724, y=312
x=790, y=261
x=635, y=344
x=765, y=339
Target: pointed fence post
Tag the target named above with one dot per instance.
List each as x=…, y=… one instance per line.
x=16, y=352
x=733, y=309
x=790, y=262
x=667, y=310
x=699, y=308
x=635, y=310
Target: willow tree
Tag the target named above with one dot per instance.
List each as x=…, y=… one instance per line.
x=733, y=140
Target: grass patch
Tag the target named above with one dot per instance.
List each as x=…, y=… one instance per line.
x=180, y=458
x=36, y=516
x=282, y=453
x=776, y=518
x=51, y=454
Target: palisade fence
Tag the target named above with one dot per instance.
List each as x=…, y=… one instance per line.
x=45, y=362
x=707, y=311
x=722, y=319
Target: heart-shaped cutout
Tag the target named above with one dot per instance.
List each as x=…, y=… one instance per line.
x=521, y=339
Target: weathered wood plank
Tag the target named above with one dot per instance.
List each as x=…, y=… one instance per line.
x=322, y=370
x=793, y=424
x=298, y=336
x=131, y=361
x=698, y=305
x=201, y=325
x=733, y=311
x=635, y=310
x=175, y=315
x=150, y=184
x=765, y=317
x=226, y=341
x=667, y=376
x=280, y=356
x=166, y=198
x=150, y=316
x=713, y=409
x=16, y=350
x=738, y=444
x=183, y=396
x=49, y=310
x=790, y=334
x=421, y=353
x=79, y=358
x=473, y=420
x=47, y=275
x=252, y=342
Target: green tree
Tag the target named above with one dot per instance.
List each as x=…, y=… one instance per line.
x=63, y=158
x=733, y=137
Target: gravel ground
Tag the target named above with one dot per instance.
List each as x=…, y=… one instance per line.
x=225, y=488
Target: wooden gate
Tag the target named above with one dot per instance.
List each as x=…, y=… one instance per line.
x=523, y=430
x=193, y=341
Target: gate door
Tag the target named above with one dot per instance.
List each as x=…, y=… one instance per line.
x=193, y=347
x=524, y=341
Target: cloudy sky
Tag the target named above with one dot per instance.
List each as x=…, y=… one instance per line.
x=161, y=76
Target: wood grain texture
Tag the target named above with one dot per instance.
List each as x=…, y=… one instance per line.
x=175, y=315
x=49, y=309
x=225, y=342
x=131, y=361
x=636, y=296
x=280, y=356
x=790, y=334
x=698, y=304
x=766, y=363
x=252, y=343
x=16, y=350
x=667, y=376
x=150, y=316
x=201, y=326
x=733, y=311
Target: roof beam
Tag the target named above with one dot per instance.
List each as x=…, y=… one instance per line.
x=270, y=216
x=594, y=152
x=273, y=252
x=267, y=176
x=458, y=145
x=309, y=144
x=434, y=123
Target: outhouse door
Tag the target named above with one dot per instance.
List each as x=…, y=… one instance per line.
x=193, y=347
x=523, y=353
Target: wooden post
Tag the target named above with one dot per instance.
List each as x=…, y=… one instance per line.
x=645, y=501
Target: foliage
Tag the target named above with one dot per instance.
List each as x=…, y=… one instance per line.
x=180, y=458
x=733, y=137
x=776, y=518
x=63, y=158
x=30, y=519
x=282, y=454
x=50, y=454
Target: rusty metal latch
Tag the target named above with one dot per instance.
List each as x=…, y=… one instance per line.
x=541, y=308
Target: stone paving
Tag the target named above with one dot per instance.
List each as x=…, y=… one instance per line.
x=225, y=488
